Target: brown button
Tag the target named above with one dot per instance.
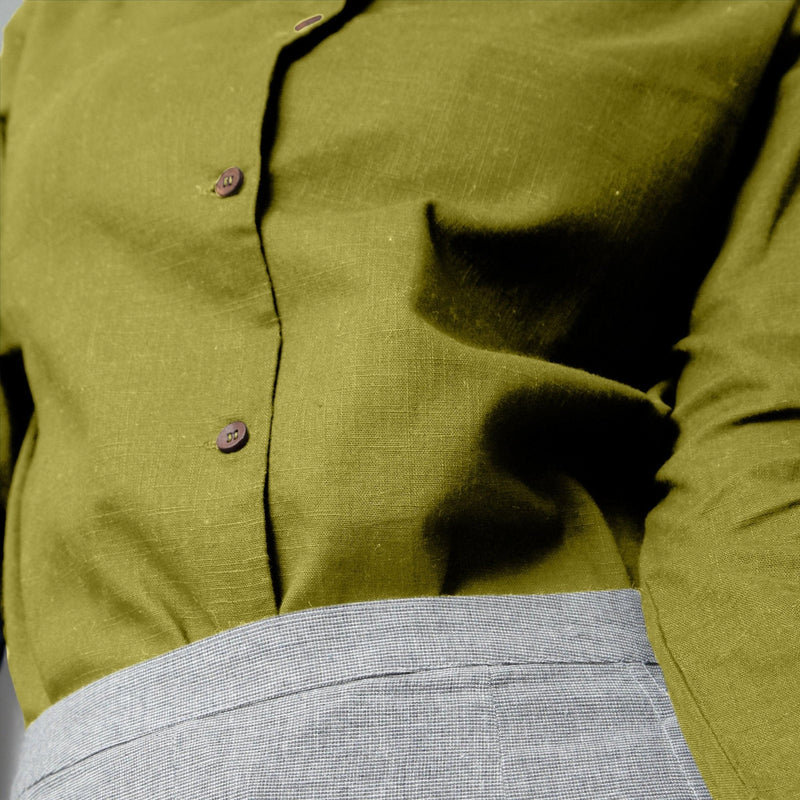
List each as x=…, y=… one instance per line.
x=232, y=437
x=229, y=182
x=306, y=22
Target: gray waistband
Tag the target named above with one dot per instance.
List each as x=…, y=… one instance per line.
x=333, y=644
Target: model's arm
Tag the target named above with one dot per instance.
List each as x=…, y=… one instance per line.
x=15, y=409
x=720, y=565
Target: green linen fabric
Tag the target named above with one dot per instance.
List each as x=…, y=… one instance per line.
x=508, y=302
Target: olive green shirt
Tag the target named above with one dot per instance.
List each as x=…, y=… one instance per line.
x=508, y=301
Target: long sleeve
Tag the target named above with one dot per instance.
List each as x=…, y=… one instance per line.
x=15, y=400
x=720, y=564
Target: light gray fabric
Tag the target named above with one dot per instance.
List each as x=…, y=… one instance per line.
x=539, y=696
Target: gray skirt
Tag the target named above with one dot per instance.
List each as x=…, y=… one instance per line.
x=534, y=696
